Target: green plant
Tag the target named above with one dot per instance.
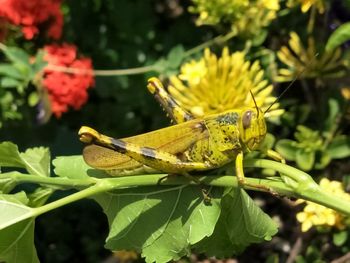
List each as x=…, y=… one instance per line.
x=177, y=216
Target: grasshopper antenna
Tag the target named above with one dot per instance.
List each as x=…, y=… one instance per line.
x=256, y=105
x=290, y=84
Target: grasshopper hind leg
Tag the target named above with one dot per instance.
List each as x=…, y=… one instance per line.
x=151, y=157
x=174, y=110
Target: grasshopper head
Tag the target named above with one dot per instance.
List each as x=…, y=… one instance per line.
x=252, y=128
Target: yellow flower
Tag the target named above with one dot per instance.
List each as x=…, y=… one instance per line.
x=307, y=4
x=245, y=17
x=318, y=215
x=193, y=71
x=345, y=91
x=213, y=85
x=307, y=61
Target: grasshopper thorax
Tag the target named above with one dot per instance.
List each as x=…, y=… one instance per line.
x=252, y=128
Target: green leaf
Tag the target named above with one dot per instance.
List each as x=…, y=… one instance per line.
x=241, y=223
x=287, y=149
x=10, y=71
x=333, y=111
x=273, y=258
x=339, y=147
x=33, y=99
x=259, y=39
x=16, y=240
x=340, y=238
x=176, y=56
x=322, y=159
x=39, y=196
x=17, y=55
x=74, y=167
x=176, y=218
x=17, y=243
x=19, y=198
x=37, y=161
x=39, y=63
x=9, y=155
x=305, y=159
x=12, y=210
x=338, y=37
x=7, y=82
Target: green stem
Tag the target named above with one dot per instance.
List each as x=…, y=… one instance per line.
x=108, y=184
x=50, y=181
x=294, y=183
x=90, y=191
x=307, y=188
x=101, y=72
x=311, y=23
x=138, y=70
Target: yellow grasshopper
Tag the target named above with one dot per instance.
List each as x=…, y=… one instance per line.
x=189, y=145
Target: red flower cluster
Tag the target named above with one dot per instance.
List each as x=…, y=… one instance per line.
x=66, y=89
x=30, y=14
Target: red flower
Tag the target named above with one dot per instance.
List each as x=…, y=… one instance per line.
x=66, y=89
x=32, y=14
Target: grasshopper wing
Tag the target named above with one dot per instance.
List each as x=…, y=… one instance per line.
x=174, y=139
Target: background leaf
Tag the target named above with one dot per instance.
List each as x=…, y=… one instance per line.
x=339, y=147
x=338, y=37
x=176, y=56
x=17, y=55
x=305, y=159
x=287, y=149
x=10, y=71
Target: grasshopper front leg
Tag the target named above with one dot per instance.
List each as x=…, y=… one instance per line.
x=175, y=112
x=241, y=178
x=154, y=158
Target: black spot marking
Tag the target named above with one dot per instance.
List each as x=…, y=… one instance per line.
x=228, y=118
x=148, y=153
x=181, y=156
x=119, y=145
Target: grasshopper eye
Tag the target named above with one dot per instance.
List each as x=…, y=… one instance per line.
x=246, y=119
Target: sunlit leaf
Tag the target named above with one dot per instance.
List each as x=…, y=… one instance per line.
x=241, y=224
x=74, y=167
x=37, y=161
x=162, y=223
x=34, y=160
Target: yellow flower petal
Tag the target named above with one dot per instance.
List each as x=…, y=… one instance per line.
x=303, y=59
